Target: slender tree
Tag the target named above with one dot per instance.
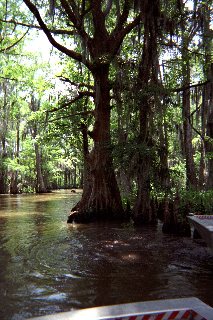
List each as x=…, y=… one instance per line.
x=147, y=80
x=187, y=36
x=208, y=89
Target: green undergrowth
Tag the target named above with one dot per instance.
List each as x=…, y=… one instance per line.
x=197, y=202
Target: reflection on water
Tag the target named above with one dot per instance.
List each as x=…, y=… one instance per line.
x=47, y=266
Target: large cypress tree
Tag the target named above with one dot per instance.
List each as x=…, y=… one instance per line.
x=88, y=20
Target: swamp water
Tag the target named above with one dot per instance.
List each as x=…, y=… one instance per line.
x=48, y=266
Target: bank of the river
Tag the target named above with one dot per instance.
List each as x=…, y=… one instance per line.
x=47, y=265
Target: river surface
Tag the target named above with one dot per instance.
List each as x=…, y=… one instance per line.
x=48, y=266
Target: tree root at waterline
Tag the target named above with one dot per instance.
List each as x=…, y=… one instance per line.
x=93, y=215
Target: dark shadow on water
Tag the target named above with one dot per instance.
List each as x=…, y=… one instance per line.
x=47, y=265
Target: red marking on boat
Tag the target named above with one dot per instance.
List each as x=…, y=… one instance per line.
x=173, y=315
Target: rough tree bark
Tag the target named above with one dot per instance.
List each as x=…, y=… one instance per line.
x=202, y=166
x=3, y=144
x=103, y=202
x=191, y=179
x=124, y=172
x=187, y=36
x=142, y=210
x=209, y=133
x=208, y=90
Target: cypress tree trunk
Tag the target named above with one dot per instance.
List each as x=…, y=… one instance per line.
x=209, y=132
x=40, y=186
x=3, y=168
x=104, y=201
x=124, y=171
x=208, y=97
x=142, y=210
x=191, y=179
x=14, y=183
x=202, y=167
x=3, y=175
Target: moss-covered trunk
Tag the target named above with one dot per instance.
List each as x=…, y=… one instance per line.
x=104, y=201
x=147, y=78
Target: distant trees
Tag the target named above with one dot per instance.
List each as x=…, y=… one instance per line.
x=29, y=162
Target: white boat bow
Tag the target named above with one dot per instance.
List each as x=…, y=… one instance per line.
x=172, y=309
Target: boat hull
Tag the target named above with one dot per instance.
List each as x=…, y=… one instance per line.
x=172, y=309
x=204, y=225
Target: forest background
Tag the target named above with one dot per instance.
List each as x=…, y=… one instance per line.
x=122, y=107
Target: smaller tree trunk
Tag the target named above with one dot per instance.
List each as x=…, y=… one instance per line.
x=202, y=167
x=65, y=178
x=14, y=183
x=87, y=179
x=142, y=210
x=191, y=178
x=147, y=77
x=3, y=178
x=14, y=189
x=209, y=148
x=173, y=224
x=209, y=124
x=40, y=186
x=3, y=169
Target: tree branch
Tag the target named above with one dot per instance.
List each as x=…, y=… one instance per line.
x=122, y=18
x=189, y=86
x=98, y=21
x=6, y=78
x=32, y=26
x=14, y=44
x=79, y=85
x=83, y=113
x=71, y=10
x=108, y=8
x=198, y=132
x=75, y=55
x=80, y=96
x=118, y=35
x=131, y=26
